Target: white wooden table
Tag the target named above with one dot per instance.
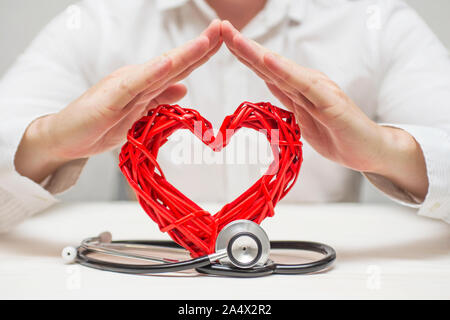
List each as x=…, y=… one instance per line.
x=384, y=251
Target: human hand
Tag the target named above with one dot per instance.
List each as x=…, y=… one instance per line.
x=99, y=120
x=330, y=121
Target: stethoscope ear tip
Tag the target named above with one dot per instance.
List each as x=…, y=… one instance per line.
x=69, y=254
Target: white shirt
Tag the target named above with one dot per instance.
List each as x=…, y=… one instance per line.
x=379, y=52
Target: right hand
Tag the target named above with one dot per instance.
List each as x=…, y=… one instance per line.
x=99, y=120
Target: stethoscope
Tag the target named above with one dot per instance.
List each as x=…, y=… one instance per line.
x=242, y=250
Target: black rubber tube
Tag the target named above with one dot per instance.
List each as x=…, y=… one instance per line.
x=310, y=267
x=84, y=259
x=203, y=264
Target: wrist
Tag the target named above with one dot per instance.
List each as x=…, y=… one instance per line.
x=36, y=157
x=396, y=147
x=402, y=161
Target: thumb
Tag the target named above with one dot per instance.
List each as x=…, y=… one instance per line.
x=172, y=94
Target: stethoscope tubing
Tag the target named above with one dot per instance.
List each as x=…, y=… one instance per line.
x=278, y=268
x=142, y=268
x=203, y=264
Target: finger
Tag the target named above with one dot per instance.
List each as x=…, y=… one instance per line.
x=163, y=84
x=299, y=99
x=228, y=32
x=291, y=101
x=311, y=84
x=284, y=99
x=244, y=50
x=171, y=95
x=230, y=35
x=304, y=119
x=176, y=91
x=298, y=109
x=184, y=60
x=250, y=54
x=117, y=133
x=321, y=119
x=213, y=34
x=118, y=89
x=180, y=58
x=199, y=63
x=254, y=54
x=128, y=82
x=281, y=71
x=307, y=123
x=248, y=65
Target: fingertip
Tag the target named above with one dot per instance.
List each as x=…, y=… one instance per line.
x=181, y=88
x=173, y=93
x=229, y=25
x=227, y=31
x=213, y=27
x=226, y=23
x=213, y=31
x=215, y=22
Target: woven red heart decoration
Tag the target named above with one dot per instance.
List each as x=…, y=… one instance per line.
x=187, y=223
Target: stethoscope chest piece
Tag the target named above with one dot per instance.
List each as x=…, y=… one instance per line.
x=246, y=243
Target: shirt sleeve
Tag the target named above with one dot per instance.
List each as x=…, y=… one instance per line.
x=414, y=95
x=51, y=73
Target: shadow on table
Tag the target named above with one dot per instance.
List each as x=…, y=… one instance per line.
x=28, y=245
x=435, y=245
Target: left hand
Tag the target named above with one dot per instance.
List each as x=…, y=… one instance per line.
x=330, y=121
x=100, y=118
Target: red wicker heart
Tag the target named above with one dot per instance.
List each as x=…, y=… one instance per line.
x=188, y=224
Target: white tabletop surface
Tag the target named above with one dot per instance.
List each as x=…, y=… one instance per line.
x=384, y=251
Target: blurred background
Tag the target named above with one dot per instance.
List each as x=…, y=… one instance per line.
x=21, y=20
